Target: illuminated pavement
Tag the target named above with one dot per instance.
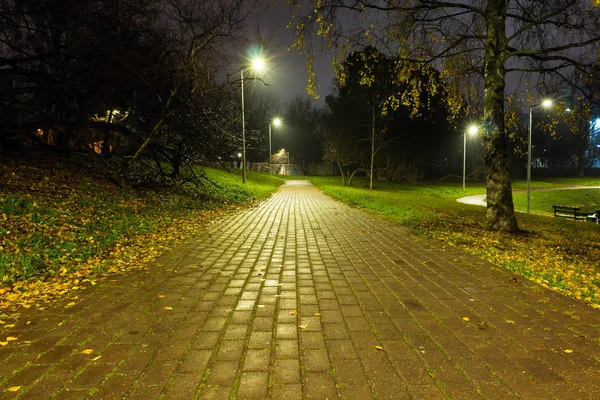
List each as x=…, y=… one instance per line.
x=479, y=199
x=304, y=297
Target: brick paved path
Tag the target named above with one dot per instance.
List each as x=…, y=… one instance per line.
x=303, y=297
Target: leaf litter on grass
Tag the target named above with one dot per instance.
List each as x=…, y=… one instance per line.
x=63, y=230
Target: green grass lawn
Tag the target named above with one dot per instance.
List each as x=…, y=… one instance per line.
x=555, y=252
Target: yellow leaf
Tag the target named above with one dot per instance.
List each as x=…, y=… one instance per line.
x=11, y=338
x=294, y=312
x=10, y=326
x=160, y=296
x=317, y=314
x=96, y=358
x=378, y=347
x=3, y=343
x=71, y=304
x=261, y=305
x=465, y=319
x=87, y=351
x=510, y=321
x=304, y=326
x=168, y=308
x=568, y=351
x=13, y=389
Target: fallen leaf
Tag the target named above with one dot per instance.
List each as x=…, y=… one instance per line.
x=378, y=347
x=10, y=325
x=3, y=343
x=87, y=351
x=60, y=323
x=168, y=308
x=466, y=319
x=161, y=296
x=510, y=321
x=261, y=305
x=304, y=326
x=294, y=312
x=71, y=304
x=13, y=389
x=96, y=358
x=11, y=339
x=568, y=351
x=317, y=314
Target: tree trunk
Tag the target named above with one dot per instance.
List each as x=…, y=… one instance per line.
x=341, y=171
x=500, y=207
x=372, y=146
x=352, y=175
x=106, y=140
x=581, y=145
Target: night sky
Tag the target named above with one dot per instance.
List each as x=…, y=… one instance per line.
x=289, y=76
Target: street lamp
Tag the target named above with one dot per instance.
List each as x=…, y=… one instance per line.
x=277, y=123
x=258, y=64
x=546, y=104
x=473, y=129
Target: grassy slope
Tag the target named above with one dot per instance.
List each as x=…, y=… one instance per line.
x=62, y=224
x=555, y=252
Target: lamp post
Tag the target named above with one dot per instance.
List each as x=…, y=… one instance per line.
x=471, y=131
x=257, y=64
x=276, y=122
x=546, y=104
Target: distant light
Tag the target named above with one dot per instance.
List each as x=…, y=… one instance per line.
x=239, y=155
x=277, y=122
x=473, y=129
x=547, y=103
x=568, y=110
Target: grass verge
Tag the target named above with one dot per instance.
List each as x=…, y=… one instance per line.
x=557, y=253
x=62, y=224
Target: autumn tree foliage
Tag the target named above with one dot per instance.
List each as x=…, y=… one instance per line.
x=370, y=130
x=489, y=39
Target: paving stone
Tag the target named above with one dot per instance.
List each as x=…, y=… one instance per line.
x=287, y=391
x=253, y=385
x=222, y=373
x=287, y=372
x=257, y=360
x=320, y=386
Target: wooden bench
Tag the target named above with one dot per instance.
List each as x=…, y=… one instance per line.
x=568, y=212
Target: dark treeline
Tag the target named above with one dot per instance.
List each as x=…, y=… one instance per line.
x=128, y=81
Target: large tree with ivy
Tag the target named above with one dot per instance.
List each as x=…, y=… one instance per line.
x=488, y=38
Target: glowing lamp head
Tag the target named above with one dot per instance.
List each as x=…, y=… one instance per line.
x=277, y=122
x=473, y=129
x=258, y=64
x=547, y=103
